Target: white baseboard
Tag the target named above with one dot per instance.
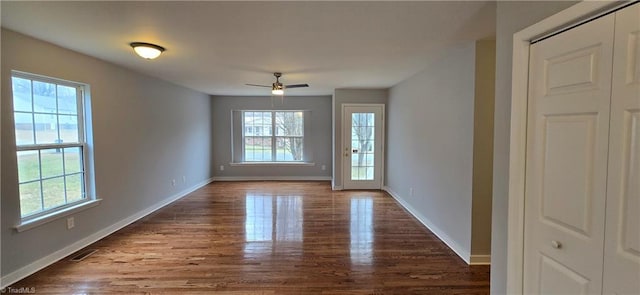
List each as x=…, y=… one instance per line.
x=43, y=262
x=480, y=260
x=268, y=178
x=465, y=255
x=337, y=188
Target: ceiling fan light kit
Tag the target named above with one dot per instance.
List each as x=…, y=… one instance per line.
x=277, y=88
x=147, y=50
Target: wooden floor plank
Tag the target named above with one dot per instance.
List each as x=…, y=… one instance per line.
x=269, y=238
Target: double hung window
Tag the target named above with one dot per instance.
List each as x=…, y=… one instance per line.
x=50, y=143
x=273, y=136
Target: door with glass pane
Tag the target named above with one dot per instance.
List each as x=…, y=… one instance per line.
x=362, y=146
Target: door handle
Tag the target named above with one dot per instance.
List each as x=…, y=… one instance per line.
x=556, y=244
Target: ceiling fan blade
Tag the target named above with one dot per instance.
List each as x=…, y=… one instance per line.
x=296, y=86
x=258, y=85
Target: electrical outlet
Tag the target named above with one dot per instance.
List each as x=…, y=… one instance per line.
x=221, y=167
x=324, y=167
x=184, y=179
x=71, y=223
x=173, y=182
x=410, y=192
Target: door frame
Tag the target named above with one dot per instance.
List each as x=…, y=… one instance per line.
x=567, y=18
x=344, y=141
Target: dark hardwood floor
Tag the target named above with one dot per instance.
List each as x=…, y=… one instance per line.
x=269, y=238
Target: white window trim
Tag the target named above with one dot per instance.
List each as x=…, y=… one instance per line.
x=90, y=200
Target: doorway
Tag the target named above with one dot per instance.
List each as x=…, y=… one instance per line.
x=362, y=130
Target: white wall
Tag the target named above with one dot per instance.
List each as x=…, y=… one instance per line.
x=511, y=18
x=430, y=144
x=146, y=132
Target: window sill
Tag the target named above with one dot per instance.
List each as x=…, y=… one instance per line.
x=40, y=220
x=272, y=164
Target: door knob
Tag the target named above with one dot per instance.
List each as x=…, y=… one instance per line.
x=556, y=244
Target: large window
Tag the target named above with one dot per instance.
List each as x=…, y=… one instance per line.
x=273, y=136
x=50, y=143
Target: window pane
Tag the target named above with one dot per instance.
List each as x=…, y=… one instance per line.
x=355, y=119
x=74, y=187
x=289, y=124
x=67, y=100
x=51, y=161
x=369, y=173
x=354, y=161
x=47, y=113
x=259, y=127
x=289, y=149
x=21, y=94
x=267, y=122
x=53, y=192
x=44, y=97
x=369, y=160
x=68, y=128
x=24, y=128
x=46, y=128
x=72, y=160
x=30, y=201
x=247, y=116
x=257, y=149
x=28, y=166
x=257, y=123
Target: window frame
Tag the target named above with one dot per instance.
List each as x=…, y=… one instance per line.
x=274, y=137
x=88, y=197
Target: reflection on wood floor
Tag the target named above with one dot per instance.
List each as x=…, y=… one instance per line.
x=269, y=238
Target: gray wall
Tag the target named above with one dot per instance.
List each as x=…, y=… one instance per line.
x=347, y=96
x=146, y=132
x=430, y=143
x=511, y=18
x=319, y=139
x=483, y=147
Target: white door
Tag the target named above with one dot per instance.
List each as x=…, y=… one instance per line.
x=622, y=238
x=566, y=161
x=362, y=129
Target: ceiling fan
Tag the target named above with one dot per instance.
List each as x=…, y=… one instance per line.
x=278, y=88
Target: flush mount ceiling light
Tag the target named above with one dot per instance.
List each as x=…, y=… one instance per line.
x=147, y=50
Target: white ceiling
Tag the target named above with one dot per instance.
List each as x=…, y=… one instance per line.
x=217, y=47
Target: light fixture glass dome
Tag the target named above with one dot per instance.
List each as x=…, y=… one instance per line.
x=147, y=50
x=277, y=88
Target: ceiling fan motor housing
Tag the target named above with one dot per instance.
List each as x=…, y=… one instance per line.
x=277, y=85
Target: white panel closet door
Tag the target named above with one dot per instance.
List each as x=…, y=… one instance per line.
x=566, y=165
x=622, y=240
